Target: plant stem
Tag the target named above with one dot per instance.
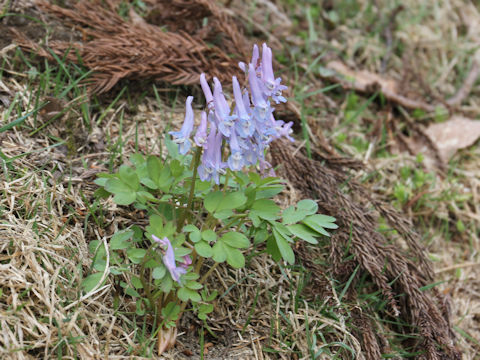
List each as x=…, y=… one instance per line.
x=208, y=273
x=225, y=186
x=145, y=282
x=196, y=162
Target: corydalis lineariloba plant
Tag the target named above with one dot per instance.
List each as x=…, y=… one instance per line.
x=195, y=223
x=248, y=129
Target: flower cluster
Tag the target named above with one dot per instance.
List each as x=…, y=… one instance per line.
x=247, y=127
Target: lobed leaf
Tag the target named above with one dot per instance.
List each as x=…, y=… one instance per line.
x=119, y=240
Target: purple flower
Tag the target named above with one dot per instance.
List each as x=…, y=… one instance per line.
x=249, y=129
x=206, y=91
x=261, y=106
x=277, y=93
x=267, y=68
x=212, y=165
x=182, y=137
x=244, y=125
x=273, y=88
x=265, y=134
x=222, y=109
x=235, y=161
x=168, y=258
x=254, y=61
x=201, y=134
x=186, y=262
x=284, y=129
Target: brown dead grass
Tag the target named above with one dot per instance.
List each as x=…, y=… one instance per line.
x=176, y=53
x=44, y=245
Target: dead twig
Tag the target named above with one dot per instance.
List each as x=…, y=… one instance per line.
x=367, y=82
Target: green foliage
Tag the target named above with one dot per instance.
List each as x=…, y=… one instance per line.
x=190, y=222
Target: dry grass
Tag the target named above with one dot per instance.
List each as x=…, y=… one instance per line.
x=45, y=226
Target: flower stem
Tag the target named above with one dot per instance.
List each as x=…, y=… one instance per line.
x=208, y=273
x=196, y=162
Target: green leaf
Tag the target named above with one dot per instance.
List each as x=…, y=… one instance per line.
x=212, y=201
x=282, y=229
x=304, y=208
x=232, y=201
x=272, y=249
x=123, y=194
x=195, y=235
x=156, y=225
x=289, y=214
x=190, y=276
x=149, y=183
x=145, y=195
x=119, y=240
x=190, y=228
x=100, y=259
x=284, y=247
x=136, y=255
x=323, y=220
x=235, y=240
x=177, y=168
x=235, y=257
x=203, y=249
x=136, y=282
x=93, y=245
x=217, y=201
x=194, y=285
x=318, y=222
x=132, y=292
x=181, y=251
x=171, y=311
x=154, y=168
x=91, y=281
x=260, y=236
x=129, y=177
x=308, y=206
x=116, y=271
x=101, y=181
x=205, y=308
x=265, y=209
x=209, y=235
x=255, y=219
x=165, y=179
x=172, y=148
x=219, y=252
x=304, y=233
x=139, y=307
x=269, y=192
x=207, y=297
x=137, y=160
x=159, y=272
x=167, y=284
x=292, y=217
x=186, y=294
x=223, y=214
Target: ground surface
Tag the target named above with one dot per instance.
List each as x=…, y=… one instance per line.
x=423, y=51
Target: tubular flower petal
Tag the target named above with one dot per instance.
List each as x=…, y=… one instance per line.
x=168, y=258
x=186, y=262
x=182, y=137
x=261, y=106
x=267, y=69
x=222, y=109
x=244, y=125
x=206, y=91
x=235, y=161
x=201, y=134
